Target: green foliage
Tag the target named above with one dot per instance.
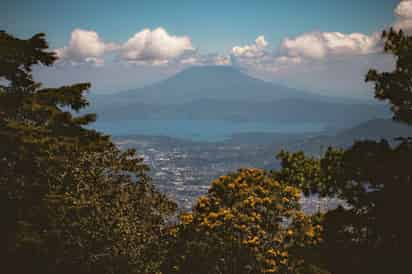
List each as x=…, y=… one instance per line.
x=372, y=234
x=18, y=56
x=121, y=222
x=247, y=223
x=310, y=174
x=70, y=201
x=396, y=86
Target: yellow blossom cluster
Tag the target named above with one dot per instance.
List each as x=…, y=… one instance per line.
x=251, y=210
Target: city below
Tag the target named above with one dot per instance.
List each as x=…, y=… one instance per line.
x=184, y=169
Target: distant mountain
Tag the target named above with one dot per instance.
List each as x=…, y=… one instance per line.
x=211, y=82
x=225, y=93
x=375, y=129
x=333, y=115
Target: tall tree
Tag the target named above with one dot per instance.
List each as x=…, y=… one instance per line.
x=70, y=201
x=247, y=223
x=372, y=233
x=396, y=86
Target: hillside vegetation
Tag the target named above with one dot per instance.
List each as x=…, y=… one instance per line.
x=72, y=202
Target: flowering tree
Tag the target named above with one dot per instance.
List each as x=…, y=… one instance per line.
x=247, y=223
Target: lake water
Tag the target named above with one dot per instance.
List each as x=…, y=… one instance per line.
x=200, y=130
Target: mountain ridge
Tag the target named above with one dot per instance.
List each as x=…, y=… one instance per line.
x=225, y=93
x=211, y=82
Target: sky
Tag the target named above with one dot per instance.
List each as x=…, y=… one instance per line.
x=323, y=46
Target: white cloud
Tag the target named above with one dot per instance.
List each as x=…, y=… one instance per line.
x=343, y=59
x=318, y=45
x=404, y=16
x=305, y=48
x=251, y=51
x=85, y=46
x=154, y=47
x=316, y=60
x=195, y=58
x=404, y=9
x=147, y=46
x=222, y=60
x=329, y=62
x=255, y=55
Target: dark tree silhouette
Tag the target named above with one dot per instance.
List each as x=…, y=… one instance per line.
x=372, y=234
x=70, y=201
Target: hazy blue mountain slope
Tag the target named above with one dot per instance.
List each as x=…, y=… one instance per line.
x=375, y=129
x=336, y=115
x=225, y=93
x=210, y=82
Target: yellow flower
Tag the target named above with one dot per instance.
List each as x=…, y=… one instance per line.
x=285, y=200
x=271, y=251
x=252, y=241
x=228, y=216
x=284, y=254
x=290, y=189
x=173, y=232
x=213, y=215
x=244, y=185
x=216, y=182
x=186, y=218
x=310, y=232
x=203, y=202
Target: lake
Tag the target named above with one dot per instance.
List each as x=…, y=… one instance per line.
x=200, y=130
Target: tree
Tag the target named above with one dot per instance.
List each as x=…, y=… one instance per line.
x=372, y=233
x=106, y=221
x=396, y=86
x=70, y=201
x=247, y=223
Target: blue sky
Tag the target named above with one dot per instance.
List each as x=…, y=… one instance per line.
x=296, y=43
x=212, y=25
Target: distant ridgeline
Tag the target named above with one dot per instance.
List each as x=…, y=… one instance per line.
x=225, y=93
x=376, y=129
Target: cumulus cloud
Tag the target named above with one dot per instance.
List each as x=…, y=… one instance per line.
x=318, y=45
x=341, y=58
x=147, y=46
x=205, y=59
x=404, y=9
x=403, y=13
x=85, y=46
x=256, y=55
x=251, y=51
x=304, y=49
x=154, y=47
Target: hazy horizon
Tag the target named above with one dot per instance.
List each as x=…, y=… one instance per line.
x=326, y=47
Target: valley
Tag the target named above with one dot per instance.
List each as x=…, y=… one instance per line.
x=184, y=169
